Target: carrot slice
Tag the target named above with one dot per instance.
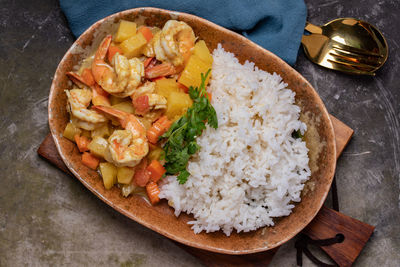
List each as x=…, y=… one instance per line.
x=82, y=142
x=87, y=77
x=141, y=104
x=183, y=87
x=156, y=170
x=158, y=128
x=89, y=160
x=142, y=176
x=146, y=33
x=152, y=192
x=112, y=50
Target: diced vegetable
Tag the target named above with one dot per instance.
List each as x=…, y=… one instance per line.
x=165, y=87
x=156, y=170
x=145, y=121
x=141, y=104
x=108, y=173
x=132, y=46
x=201, y=51
x=183, y=88
x=128, y=189
x=191, y=74
x=86, y=133
x=158, y=128
x=141, y=176
x=200, y=62
x=125, y=30
x=146, y=33
x=98, y=146
x=102, y=131
x=125, y=175
x=90, y=160
x=87, y=77
x=115, y=100
x=125, y=106
x=155, y=153
x=152, y=192
x=177, y=105
x=70, y=131
x=82, y=142
x=112, y=50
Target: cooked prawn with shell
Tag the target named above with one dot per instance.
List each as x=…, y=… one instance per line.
x=129, y=146
x=120, y=78
x=174, y=43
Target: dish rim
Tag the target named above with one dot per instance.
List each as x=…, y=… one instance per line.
x=246, y=41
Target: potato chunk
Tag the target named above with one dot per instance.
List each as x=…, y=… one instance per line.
x=132, y=47
x=102, y=131
x=70, y=131
x=201, y=50
x=98, y=146
x=177, y=105
x=125, y=175
x=166, y=86
x=108, y=173
x=200, y=62
x=125, y=30
x=191, y=75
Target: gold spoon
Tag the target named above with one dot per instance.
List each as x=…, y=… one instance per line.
x=346, y=44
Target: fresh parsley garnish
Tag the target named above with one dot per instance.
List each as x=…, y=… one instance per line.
x=181, y=136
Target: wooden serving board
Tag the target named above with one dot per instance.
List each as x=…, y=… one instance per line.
x=326, y=224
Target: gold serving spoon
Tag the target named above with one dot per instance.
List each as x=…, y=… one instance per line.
x=346, y=44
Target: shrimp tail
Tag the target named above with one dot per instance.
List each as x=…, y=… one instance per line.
x=164, y=69
x=120, y=115
x=76, y=79
x=103, y=48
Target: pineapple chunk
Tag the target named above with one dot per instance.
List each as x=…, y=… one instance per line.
x=155, y=153
x=125, y=175
x=177, y=105
x=98, y=146
x=166, y=86
x=70, y=131
x=125, y=106
x=201, y=50
x=109, y=173
x=146, y=122
x=132, y=47
x=103, y=131
x=191, y=75
x=126, y=29
x=116, y=100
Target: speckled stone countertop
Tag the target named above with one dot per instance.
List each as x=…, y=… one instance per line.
x=49, y=219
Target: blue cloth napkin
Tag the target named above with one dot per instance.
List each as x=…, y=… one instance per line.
x=276, y=25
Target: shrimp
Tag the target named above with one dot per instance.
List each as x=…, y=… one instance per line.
x=120, y=78
x=99, y=96
x=155, y=101
x=78, y=101
x=129, y=146
x=174, y=43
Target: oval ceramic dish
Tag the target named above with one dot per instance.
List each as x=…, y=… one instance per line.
x=160, y=218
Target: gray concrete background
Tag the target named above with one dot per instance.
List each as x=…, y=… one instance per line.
x=48, y=218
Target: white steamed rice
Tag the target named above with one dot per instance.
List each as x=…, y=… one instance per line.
x=250, y=169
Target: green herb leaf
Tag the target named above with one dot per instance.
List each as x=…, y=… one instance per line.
x=183, y=176
x=181, y=136
x=297, y=134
